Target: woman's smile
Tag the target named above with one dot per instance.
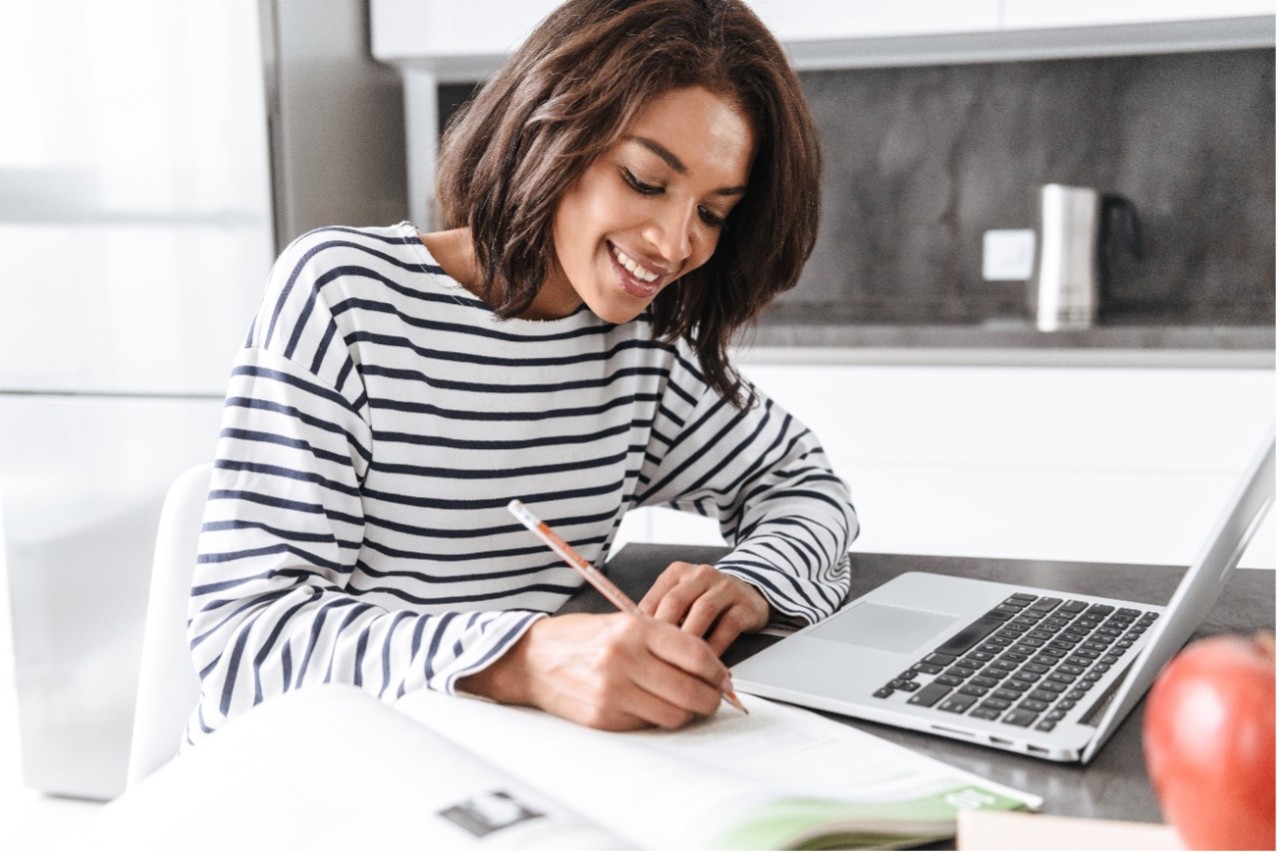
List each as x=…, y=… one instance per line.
x=650, y=208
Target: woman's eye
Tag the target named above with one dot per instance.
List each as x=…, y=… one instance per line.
x=639, y=185
x=711, y=218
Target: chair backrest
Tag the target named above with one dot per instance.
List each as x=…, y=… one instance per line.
x=168, y=688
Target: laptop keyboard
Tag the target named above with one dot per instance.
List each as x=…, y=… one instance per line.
x=1027, y=662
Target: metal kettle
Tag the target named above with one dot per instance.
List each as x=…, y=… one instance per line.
x=1075, y=228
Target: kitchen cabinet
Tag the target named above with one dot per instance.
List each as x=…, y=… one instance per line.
x=443, y=41
x=464, y=41
x=1098, y=464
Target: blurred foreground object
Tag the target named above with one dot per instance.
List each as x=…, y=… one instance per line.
x=1209, y=736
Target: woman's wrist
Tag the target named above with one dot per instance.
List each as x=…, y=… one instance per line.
x=506, y=680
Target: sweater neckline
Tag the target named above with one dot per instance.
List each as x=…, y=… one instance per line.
x=581, y=316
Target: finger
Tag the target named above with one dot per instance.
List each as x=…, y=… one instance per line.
x=669, y=696
x=706, y=610
x=666, y=581
x=732, y=624
x=693, y=583
x=687, y=653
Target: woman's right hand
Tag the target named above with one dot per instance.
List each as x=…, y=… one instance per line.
x=617, y=671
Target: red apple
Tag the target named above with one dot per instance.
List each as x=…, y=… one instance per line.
x=1209, y=735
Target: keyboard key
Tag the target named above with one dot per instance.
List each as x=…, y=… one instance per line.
x=1023, y=596
x=948, y=680
x=908, y=686
x=1020, y=717
x=1033, y=705
x=1053, y=686
x=1043, y=695
x=995, y=704
x=929, y=695
x=1018, y=685
x=1018, y=601
x=1055, y=715
x=957, y=703
x=883, y=693
x=930, y=668
x=1073, y=606
x=1100, y=610
x=1046, y=604
x=969, y=637
x=939, y=659
x=983, y=713
x=973, y=690
x=1045, y=726
x=985, y=681
x=909, y=675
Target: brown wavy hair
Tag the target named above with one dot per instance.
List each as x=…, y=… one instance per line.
x=570, y=92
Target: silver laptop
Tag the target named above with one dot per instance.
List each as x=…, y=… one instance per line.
x=1035, y=671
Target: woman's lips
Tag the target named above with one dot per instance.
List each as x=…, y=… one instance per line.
x=632, y=284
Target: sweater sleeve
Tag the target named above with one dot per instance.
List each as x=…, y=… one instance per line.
x=270, y=607
x=765, y=478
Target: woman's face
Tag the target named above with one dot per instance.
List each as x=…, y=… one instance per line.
x=650, y=209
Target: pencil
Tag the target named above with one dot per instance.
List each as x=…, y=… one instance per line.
x=593, y=576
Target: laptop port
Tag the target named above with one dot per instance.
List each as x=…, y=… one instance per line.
x=1037, y=750
x=999, y=741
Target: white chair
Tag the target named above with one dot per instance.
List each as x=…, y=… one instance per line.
x=168, y=688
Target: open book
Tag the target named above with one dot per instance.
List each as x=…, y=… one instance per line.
x=331, y=768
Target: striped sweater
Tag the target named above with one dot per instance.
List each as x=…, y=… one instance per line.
x=378, y=420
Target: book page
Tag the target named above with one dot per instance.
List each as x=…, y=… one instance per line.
x=331, y=768
x=705, y=785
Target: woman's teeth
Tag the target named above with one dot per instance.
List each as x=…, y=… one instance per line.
x=632, y=267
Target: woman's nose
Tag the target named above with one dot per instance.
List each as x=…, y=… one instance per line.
x=671, y=232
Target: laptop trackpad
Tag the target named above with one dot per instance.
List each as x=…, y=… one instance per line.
x=882, y=626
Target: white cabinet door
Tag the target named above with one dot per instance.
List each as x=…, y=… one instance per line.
x=816, y=20
x=407, y=29
x=1037, y=14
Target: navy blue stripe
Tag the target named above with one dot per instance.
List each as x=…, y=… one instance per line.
x=375, y=306
x=437, y=601
x=531, y=360
x=439, y=382
x=498, y=473
x=301, y=417
x=532, y=443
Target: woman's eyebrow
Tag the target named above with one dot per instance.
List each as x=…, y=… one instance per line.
x=675, y=162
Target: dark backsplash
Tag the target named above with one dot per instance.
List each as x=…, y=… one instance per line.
x=921, y=161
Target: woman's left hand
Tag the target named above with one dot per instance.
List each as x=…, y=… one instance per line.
x=706, y=603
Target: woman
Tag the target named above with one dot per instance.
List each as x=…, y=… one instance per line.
x=635, y=184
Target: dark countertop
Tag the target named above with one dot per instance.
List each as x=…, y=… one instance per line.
x=1010, y=342
x=1114, y=785
x=1015, y=333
